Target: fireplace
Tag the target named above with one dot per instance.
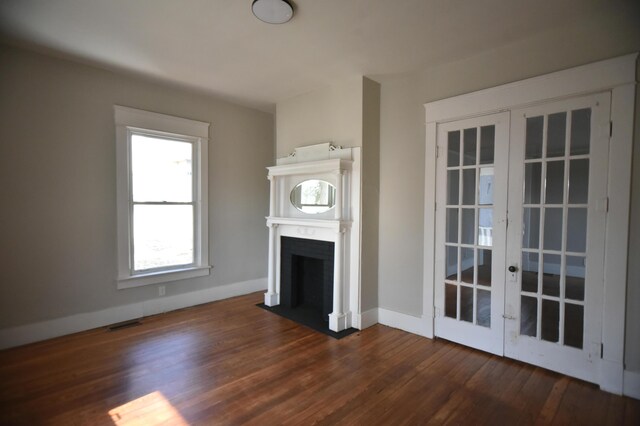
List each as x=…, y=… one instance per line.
x=314, y=235
x=306, y=276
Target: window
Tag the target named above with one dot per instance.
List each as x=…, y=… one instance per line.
x=162, y=197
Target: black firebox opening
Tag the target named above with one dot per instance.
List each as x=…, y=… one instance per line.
x=306, y=276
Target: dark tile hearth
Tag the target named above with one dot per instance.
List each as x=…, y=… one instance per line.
x=308, y=317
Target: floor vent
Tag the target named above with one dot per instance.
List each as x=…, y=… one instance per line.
x=124, y=324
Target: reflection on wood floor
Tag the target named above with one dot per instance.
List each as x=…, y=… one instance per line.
x=231, y=362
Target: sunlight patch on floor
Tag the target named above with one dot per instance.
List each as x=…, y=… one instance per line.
x=150, y=409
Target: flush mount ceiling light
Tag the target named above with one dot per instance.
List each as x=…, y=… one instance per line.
x=272, y=11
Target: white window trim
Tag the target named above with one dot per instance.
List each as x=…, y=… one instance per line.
x=128, y=120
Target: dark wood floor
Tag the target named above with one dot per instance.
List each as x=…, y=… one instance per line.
x=230, y=362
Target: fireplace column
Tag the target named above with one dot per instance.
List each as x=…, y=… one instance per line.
x=271, y=297
x=337, y=319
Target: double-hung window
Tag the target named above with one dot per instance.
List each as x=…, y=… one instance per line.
x=161, y=197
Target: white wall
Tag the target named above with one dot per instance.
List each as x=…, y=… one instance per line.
x=370, y=193
x=330, y=114
x=57, y=186
x=402, y=164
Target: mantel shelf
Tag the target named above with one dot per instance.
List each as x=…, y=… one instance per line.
x=311, y=167
x=316, y=223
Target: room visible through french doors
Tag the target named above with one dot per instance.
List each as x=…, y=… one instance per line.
x=521, y=213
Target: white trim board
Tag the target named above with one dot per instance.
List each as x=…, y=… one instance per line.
x=404, y=322
x=368, y=318
x=632, y=384
x=21, y=335
x=408, y=323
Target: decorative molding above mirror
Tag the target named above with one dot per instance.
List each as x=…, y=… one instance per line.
x=321, y=151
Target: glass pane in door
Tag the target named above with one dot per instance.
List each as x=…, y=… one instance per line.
x=469, y=224
x=554, y=229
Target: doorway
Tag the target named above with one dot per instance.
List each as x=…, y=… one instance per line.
x=520, y=241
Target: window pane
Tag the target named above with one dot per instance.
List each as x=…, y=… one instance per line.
x=577, y=230
x=453, y=187
x=466, y=304
x=530, y=272
x=531, y=228
x=487, y=137
x=156, y=244
x=554, y=184
x=550, y=320
x=573, y=325
x=451, y=263
x=578, y=181
x=485, y=227
x=469, y=186
x=552, y=229
x=532, y=186
x=528, y=316
x=580, y=131
x=483, y=302
x=468, y=225
x=466, y=265
x=574, y=278
x=533, y=147
x=453, y=148
x=450, y=300
x=484, y=267
x=470, y=146
x=452, y=226
x=556, y=132
x=551, y=274
x=162, y=169
x=485, y=186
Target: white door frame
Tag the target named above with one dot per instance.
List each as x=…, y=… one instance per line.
x=615, y=75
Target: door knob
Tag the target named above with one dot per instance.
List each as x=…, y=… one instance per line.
x=512, y=269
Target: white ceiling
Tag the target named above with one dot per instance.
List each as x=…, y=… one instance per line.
x=218, y=45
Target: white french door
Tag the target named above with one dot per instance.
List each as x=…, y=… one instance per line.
x=471, y=231
x=557, y=213
x=529, y=287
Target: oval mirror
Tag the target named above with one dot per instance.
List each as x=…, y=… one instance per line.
x=313, y=196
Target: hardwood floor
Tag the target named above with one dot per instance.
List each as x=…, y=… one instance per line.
x=230, y=362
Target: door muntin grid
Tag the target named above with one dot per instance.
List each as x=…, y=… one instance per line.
x=469, y=224
x=554, y=231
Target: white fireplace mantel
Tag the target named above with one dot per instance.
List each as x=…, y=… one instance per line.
x=340, y=225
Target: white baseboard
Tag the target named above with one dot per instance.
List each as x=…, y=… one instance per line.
x=368, y=318
x=631, y=384
x=21, y=335
x=408, y=323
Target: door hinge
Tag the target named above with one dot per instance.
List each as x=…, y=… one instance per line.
x=601, y=350
x=611, y=129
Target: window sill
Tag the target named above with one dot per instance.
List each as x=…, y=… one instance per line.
x=162, y=277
